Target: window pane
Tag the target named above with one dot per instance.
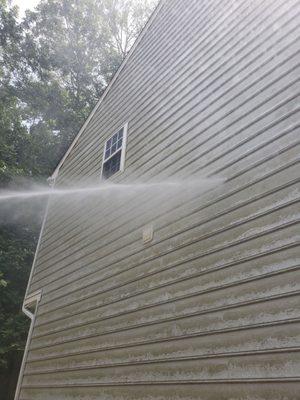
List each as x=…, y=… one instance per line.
x=114, y=148
x=119, y=144
x=111, y=166
x=120, y=134
x=107, y=153
x=115, y=138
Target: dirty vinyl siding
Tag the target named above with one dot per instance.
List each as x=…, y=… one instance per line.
x=209, y=309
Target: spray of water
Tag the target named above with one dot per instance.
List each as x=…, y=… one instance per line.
x=37, y=192
x=45, y=191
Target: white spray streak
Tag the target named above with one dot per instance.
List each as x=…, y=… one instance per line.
x=28, y=194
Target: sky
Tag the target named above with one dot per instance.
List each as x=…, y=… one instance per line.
x=24, y=5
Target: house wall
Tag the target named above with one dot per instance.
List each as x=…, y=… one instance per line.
x=209, y=309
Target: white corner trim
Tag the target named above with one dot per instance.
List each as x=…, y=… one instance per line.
x=33, y=298
x=20, y=378
x=29, y=299
x=115, y=77
x=37, y=250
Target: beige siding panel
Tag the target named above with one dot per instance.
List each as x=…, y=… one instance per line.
x=237, y=367
x=247, y=341
x=270, y=312
x=115, y=319
x=285, y=216
x=205, y=391
x=210, y=277
x=156, y=310
x=209, y=309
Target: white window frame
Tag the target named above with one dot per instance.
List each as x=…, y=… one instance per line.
x=123, y=152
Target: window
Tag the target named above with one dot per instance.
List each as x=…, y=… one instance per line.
x=114, y=153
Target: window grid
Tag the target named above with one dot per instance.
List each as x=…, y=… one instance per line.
x=114, y=144
x=114, y=153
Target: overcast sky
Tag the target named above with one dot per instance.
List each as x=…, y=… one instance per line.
x=24, y=5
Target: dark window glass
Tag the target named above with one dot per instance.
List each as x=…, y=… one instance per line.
x=119, y=144
x=112, y=165
x=120, y=134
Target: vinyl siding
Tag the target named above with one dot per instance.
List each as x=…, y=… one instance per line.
x=209, y=309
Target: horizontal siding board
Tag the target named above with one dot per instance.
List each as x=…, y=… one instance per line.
x=202, y=346
x=201, y=116
x=188, y=391
x=228, y=340
x=117, y=319
x=151, y=347
x=153, y=300
x=251, y=367
x=210, y=276
x=225, y=130
x=141, y=363
x=212, y=301
x=260, y=313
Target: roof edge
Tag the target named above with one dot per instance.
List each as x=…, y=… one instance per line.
x=106, y=91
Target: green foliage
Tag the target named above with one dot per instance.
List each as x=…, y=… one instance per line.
x=70, y=51
x=16, y=242
x=16, y=246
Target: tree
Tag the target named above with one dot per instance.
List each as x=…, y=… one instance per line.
x=124, y=20
x=16, y=245
x=70, y=51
